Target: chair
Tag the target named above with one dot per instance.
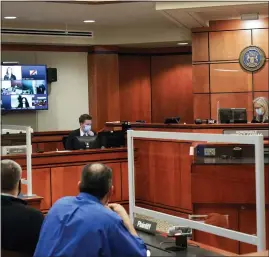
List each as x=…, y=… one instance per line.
x=64, y=140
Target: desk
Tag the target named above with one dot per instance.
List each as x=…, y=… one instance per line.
x=168, y=180
x=56, y=174
x=155, y=243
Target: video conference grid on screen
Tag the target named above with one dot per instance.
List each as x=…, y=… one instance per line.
x=24, y=87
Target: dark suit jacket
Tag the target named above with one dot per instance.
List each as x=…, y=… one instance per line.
x=70, y=145
x=254, y=120
x=20, y=225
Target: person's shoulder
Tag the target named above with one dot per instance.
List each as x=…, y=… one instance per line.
x=64, y=200
x=112, y=216
x=74, y=132
x=34, y=212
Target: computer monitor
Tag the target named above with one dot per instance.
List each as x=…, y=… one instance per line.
x=86, y=142
x=109, y=139
x=232, y=115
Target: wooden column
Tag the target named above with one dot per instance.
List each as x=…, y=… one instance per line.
x=103, y=84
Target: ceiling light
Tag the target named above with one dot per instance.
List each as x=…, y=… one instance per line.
x=10, y=17
x=89, y=21
x=182, y=43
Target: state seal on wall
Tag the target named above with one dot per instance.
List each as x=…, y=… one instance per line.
x=252, y=58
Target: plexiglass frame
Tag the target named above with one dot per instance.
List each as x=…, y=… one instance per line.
x=257, y=140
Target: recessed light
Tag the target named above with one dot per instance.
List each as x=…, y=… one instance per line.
x=89, y=21
x=183, y=43
x=10, y=17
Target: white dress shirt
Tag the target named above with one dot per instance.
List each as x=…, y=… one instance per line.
x=82, y=133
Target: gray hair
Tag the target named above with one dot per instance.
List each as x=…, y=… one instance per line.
x=10, y=175
x=263, y=102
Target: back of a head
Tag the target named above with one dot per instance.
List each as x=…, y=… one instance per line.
x=96, y=180
x=10, y=175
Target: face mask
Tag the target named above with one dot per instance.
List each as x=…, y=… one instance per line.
x=87, y=128
x=259, y=111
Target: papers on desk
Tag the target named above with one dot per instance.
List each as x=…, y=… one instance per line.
x=63, y=151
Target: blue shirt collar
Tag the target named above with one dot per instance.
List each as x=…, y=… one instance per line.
x=89, y=197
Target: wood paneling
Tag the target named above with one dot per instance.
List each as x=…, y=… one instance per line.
x=227, y=45
x=64, y=181
x=117, y=181
x=217, y=241
x=232, y=100
x=155, y=51
x=247, y=224
x=201, y=106
x=227, y=38
x=56, y=174
x=260, y=79
x=158, y=165
x=47, y=48
x=260, y=38
x=240, y=178
x=200, y=47
x=41, y=185
x=229, y=77
x=135, y=88
x=264, y=94
x=200, y=78
x=104, y=99
x=124, y=181
x=172, y=87
x=204, y=128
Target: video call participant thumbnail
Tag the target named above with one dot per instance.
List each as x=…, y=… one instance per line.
x=85, y=122
x=11, y=73
x=21, y=101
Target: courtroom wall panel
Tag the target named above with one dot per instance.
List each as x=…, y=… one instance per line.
x=259, y=94
x=135, y=87
x=226, y=80
x=229, y=77
x=227, y=45
x=104, y=97
x=202, y=108
x=200, y=78
x=200, y=47
x=260, y=79
x=260, y=38
x=171, y=87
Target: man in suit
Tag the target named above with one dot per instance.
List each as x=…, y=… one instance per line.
x=85, y=121
x=20, y=224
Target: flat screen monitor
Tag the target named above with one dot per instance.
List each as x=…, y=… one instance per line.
x=109, y=139
x=232, y=115
x=86, y=142
x=24, y=87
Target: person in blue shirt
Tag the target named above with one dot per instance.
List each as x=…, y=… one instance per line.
x=87, y=225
